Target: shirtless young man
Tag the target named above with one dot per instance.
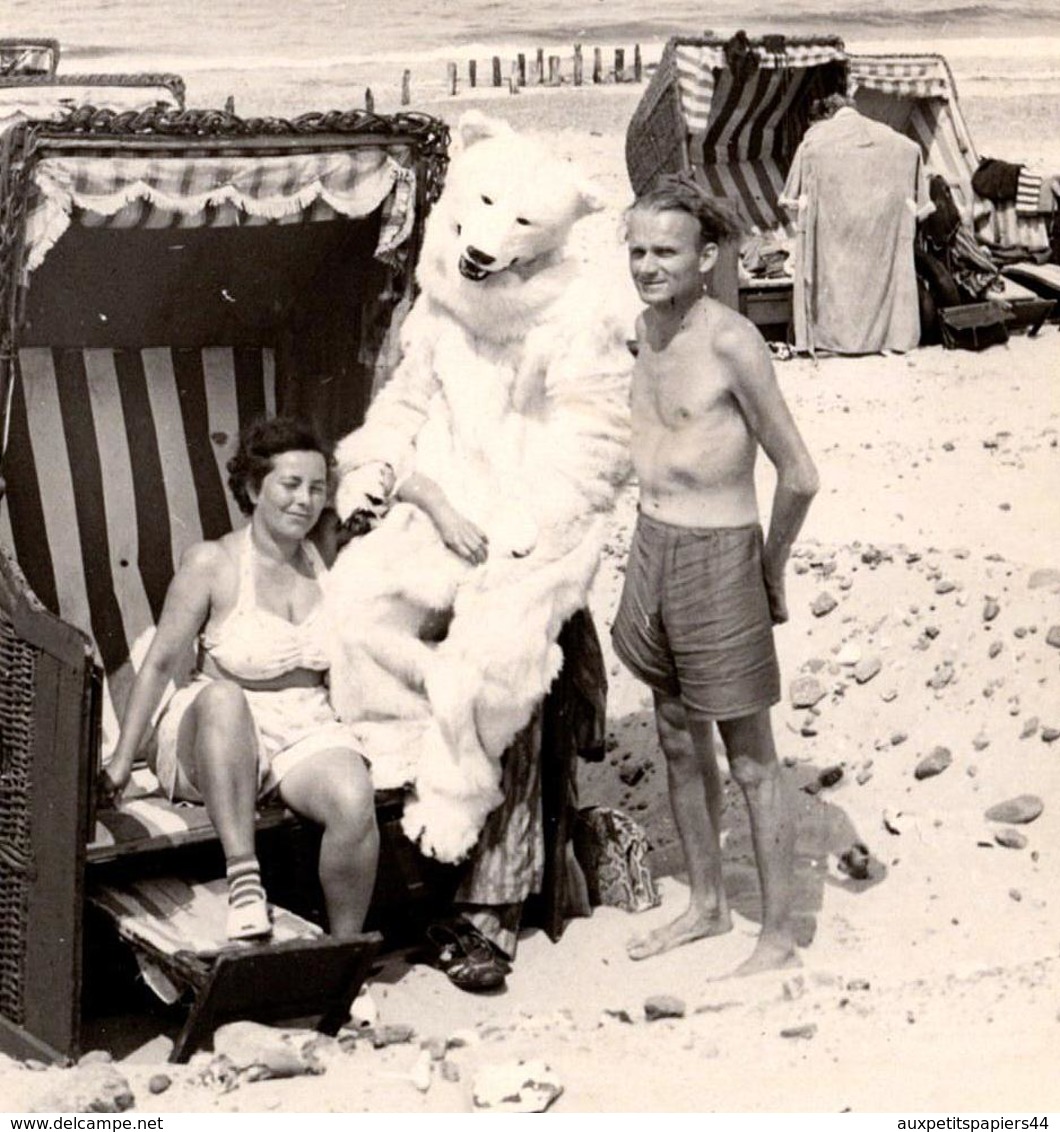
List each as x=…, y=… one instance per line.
x=703, y=589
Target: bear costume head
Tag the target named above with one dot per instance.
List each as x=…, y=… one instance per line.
x=494, y=246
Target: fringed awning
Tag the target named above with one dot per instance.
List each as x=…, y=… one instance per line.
x=697, y=64
x=199, y=189
x=910, y=76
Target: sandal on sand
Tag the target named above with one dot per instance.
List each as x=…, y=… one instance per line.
x=470, y=961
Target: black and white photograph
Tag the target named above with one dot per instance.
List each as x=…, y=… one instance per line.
x=635, y=432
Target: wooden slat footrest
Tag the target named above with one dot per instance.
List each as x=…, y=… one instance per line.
x=299, y=973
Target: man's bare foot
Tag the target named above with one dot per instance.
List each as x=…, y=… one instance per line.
x=770, y=955
x=689, y=926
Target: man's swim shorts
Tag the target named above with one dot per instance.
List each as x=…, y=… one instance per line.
x=694, y=622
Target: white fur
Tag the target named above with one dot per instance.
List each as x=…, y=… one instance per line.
x=512, y=393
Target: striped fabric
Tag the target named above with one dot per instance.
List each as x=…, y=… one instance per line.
x=738, y=139
x=354, y=183
x=744, y=147
x=916, y=95
x=115, y=463
x=910, y=76
x=1028, y=192
x=697, y=64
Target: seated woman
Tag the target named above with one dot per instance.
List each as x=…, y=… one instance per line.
x=256, y=718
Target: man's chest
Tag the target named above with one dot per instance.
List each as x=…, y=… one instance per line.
x=679, y=389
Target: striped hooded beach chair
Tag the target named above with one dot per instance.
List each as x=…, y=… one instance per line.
x=917, y=96
x=165, y=277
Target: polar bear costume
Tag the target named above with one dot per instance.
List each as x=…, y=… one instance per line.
x=512, y=394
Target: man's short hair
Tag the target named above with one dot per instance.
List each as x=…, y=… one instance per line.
x=679, y=192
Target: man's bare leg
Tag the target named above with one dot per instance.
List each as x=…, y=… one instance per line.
x=695, y=797
x=753, y=761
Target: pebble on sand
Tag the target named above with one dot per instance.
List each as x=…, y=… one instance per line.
x=805, y=691
x=1020, y=810
x=805, y=1031
x=1053, y=636
x=933, y=764
x=663, y=1006
x=1011, y=838
x=867, y=668
x=990, y=609
x=823, y=604
x=88, y=1088
x=1041, y=578
x=516, y=1086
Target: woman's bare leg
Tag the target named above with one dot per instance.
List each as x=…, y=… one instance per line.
x=333, y=789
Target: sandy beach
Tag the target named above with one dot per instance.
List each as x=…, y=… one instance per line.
x=932, y=985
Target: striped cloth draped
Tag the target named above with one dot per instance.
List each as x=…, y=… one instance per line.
x=738, y=139
x=115, y=464
x=353, y=183
x=916, y=95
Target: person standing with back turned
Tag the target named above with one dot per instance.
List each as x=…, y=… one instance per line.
x=703, y=588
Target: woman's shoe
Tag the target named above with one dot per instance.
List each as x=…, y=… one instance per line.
x=248, y=921
x=469, y=960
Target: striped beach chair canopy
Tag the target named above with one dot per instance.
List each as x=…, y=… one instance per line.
x=174, y=282
x=916, y=95
x=733, y=112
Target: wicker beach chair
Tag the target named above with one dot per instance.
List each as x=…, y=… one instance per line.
x=733, y=112
x=165, y=276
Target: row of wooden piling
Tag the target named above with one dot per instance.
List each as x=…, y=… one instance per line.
x=535, y=71
x=539, y=71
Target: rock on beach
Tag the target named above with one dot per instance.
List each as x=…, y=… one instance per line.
x=1020, y=810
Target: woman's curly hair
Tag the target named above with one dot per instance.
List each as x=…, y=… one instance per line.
x=259, y=443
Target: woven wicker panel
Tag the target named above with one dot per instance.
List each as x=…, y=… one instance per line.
x=17, y=674
x=656, y=138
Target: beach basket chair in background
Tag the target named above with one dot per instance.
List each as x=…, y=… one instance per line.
x=917, y=96
x=165, y=277
x=32, y=87
x=28, y=56
x=732, y=113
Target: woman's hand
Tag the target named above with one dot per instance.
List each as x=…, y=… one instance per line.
x=461, y=535
x=110, y=784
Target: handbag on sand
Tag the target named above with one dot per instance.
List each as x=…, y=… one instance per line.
x=973, y=326
x=612, y=851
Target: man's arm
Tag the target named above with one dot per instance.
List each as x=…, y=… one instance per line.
x=771, y=423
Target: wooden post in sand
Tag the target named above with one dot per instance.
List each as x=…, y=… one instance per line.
x=553, y=70
x=638, y=64
x=496, y=70
x=577, y=64
x=598, y=64
x=620, y=64
x=513, y=77
x=452, y=78
x=369, y=100
x=521, y=63
x=540, y=64
x=472, y=72
x=406, y=87
x=230, y=104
